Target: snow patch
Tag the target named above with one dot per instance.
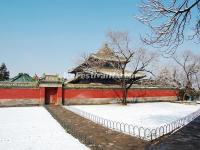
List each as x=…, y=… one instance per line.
x=147, y=115
x=33, y=128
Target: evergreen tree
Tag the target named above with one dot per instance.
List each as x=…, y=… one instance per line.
x=4, y=73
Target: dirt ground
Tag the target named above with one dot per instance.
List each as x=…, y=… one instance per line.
x=93, y=135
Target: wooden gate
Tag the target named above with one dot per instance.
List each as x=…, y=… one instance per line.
x=51, y=95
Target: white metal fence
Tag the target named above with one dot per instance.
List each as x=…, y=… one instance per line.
x=140, y=132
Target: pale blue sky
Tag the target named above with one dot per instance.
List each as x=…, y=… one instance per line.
x=38, y=36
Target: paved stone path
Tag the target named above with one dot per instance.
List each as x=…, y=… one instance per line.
x=105, y=138
x=187, y=138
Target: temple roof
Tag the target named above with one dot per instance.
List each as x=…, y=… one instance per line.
x=22, y=77
x=108, y=73
x=118, y=73
x=107, y=54
x=112, y=72
x=51, y=78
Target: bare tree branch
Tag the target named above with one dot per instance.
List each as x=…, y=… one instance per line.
x=169, y=21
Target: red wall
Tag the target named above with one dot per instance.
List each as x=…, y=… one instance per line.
x=116, y=93
x=38, y=94
x=19, y=93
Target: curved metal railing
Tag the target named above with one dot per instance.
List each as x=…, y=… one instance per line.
x=140, y=132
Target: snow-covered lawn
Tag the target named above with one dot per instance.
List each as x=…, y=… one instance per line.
x=33, y=128
x=147, y=115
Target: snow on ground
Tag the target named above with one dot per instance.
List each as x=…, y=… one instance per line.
x=33, y=128
x=148, y=115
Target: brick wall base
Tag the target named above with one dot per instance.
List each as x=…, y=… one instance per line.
x=19, y=102
x=97, y=101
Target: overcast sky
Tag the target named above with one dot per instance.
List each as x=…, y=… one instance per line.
x=48, y=36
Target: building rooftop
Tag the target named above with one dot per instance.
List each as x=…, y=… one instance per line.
x=51, y=78
x=22, y=77
x=107, y=54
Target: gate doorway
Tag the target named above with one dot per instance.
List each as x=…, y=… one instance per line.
x=51, y=95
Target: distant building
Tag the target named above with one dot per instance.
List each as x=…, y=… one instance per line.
x=22, y=77
x=102, y=67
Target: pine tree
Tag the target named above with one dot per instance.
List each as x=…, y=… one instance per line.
x=4, y=73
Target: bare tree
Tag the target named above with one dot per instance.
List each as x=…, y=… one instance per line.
x=164, y=76
x=169, y=21
x=189, y=66
x=197, y=80
x=168, y=75
x=136, y=60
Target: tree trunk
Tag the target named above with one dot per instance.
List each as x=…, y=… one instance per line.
x=124, y=98
x=184, y=95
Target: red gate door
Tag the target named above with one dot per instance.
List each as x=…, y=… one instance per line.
x=51, y=95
